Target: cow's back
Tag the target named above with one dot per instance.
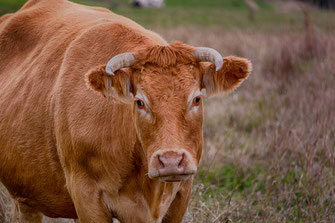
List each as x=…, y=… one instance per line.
x=35, y=43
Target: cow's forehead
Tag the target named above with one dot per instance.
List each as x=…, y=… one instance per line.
x=170, y=83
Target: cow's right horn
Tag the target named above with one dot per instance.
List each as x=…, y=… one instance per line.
x=119, y=61
x=209, y=55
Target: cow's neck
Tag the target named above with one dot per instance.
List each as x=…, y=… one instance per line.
x=149, y=198
x=160, y=197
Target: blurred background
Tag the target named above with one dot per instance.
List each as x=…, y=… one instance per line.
x=269, y=152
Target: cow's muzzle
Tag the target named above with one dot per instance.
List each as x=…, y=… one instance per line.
x=172, y=165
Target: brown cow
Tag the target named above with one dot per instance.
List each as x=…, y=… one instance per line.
x=99, y=117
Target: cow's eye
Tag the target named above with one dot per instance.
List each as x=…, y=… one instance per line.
x=140, y=104
x=196, y=101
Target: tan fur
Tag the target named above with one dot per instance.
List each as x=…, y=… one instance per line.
x=164, y=56
x=68, y=152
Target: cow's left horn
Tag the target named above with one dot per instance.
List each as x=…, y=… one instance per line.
x=119, y=61
x=210, y=55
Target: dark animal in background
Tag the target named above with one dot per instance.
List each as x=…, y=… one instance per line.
x=148, y=3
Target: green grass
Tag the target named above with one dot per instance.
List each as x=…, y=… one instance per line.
x=227, y=14
x=206, y=17
x=7, y=6
x=233, y=178
x=228, y=4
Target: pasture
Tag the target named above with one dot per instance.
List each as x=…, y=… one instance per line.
x=269, y=152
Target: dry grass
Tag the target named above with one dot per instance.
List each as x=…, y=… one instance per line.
x=270, y=146
x=269, y=154
x=4, y=205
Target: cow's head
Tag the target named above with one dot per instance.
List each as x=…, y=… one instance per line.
x=164, y=84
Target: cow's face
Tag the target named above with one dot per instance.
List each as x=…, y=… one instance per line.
x=167, y=105
x=168, y=118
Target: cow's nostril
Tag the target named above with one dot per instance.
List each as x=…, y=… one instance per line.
x=181, y=162
x=161, y=163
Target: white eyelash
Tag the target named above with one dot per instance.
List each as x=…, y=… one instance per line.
x=195, y=93
x=144, y=112
x=143, y=98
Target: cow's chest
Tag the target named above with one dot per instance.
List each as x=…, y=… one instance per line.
x=136, y=207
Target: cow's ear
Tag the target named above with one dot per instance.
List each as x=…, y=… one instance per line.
x=117, y=87
x=233, y=72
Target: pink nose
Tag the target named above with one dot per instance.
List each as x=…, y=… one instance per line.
x=171, y=163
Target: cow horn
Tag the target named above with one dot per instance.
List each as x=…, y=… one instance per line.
x=119, y=61
x=210, y=55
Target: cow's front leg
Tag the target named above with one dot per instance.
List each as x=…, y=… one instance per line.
x=87, y=199
x=178, y=207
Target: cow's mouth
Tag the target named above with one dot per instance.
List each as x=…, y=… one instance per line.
x=174, y=178
x=170, y=177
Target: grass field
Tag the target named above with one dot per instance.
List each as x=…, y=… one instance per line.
x=269, y=153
